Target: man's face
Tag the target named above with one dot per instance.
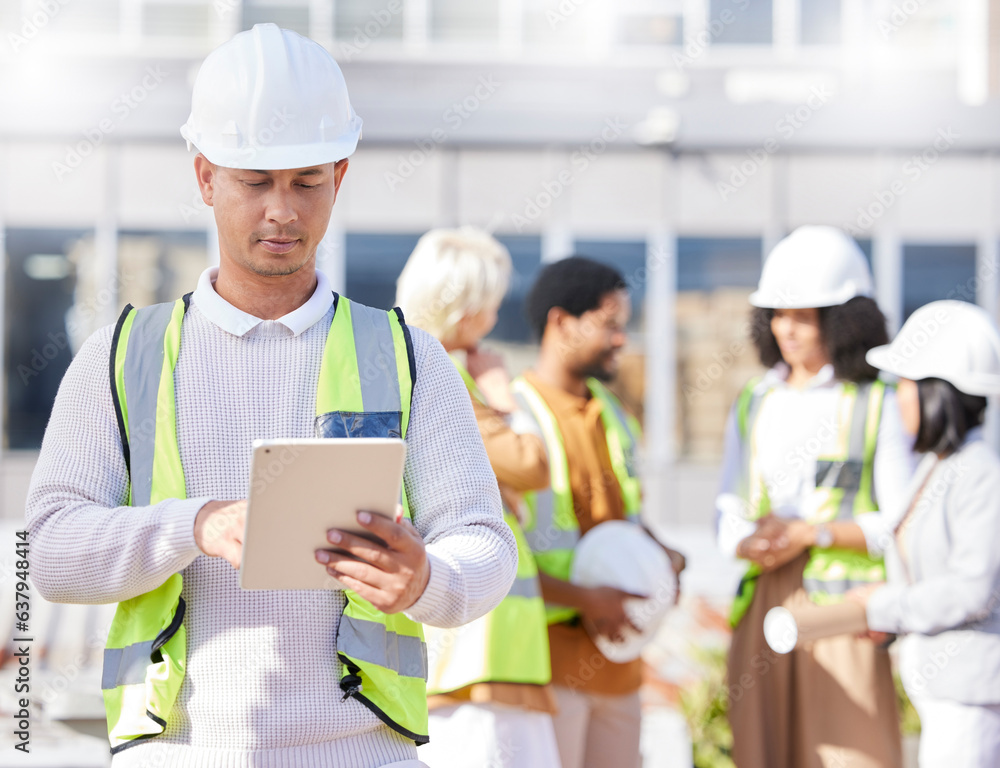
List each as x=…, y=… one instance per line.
x=593, y=341
x=270, y=222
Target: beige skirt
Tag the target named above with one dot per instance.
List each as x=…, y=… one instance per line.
x=829, y=705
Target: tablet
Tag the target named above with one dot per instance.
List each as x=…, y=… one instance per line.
x=299, y=489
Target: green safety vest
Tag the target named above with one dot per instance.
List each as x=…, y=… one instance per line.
x=844, y=485
x=551, y=527
x=510, y=644
x=364, y=390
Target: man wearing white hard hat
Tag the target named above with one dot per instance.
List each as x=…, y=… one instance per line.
x=944, y=561
x=816, y=460
x=139, y=492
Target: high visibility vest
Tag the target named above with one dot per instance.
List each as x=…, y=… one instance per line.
x=551, y=527
x=510, y=644
x=364, y=390
x=844, y=488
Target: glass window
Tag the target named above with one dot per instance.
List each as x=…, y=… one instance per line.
x=629, y=258
x=741, y=21
x=657, y=29
x=40, y=284
x=182, y=20
x=552, y=24
x=366, y=20
x=526, y=258
x=933, y=272
x=374, y=262
x=159, y=266
x=285, y=15
x=820, y=22
x=464, y=22
x=715, y=355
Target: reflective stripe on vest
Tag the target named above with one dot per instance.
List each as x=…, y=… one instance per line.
x=384, y=657
x=844, y=486
x=510, y=644
x=551, y=527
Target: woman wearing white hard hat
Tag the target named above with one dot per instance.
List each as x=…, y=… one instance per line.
x=489, y=691
x=944, y=563
x=814, y=450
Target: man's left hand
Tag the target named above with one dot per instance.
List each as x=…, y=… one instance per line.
x=392, y=573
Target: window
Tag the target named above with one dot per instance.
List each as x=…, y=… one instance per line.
x=159, y=266
x=526, y=258
x=741, y=22
x=933, y=272
x=189, y=21
x=629, y=258
x=286, y=15
x=39, y=337
x=715, y=355
x=820, y=22
x=468, y=22
x=374, y=262
x=361, y=21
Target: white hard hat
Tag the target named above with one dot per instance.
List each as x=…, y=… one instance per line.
x=951, y=340
x=271, y=99
x=621, y=554
x=814, y=266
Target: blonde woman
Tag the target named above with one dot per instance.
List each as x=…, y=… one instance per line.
x=490, y=698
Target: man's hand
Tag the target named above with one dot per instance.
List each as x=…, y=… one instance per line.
x=218, y=530
x=604, y=608
x=861, y=595
x=391, y=573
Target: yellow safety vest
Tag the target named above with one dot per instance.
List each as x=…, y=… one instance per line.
x=551, y=527
x=510, y=644
x=844, y=485
x=364, y=390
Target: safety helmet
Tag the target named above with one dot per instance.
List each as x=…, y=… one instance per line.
x=622, y=555
x=951, y=340
x=271, y=99
x=815, y=266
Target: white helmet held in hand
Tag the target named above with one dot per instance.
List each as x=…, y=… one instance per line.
x=815, y=266
x=622, y=555
x=951, y=340
x=270, y=99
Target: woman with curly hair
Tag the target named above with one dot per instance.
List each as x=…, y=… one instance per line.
x=816, y=465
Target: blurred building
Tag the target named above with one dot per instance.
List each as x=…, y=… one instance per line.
x=677, y=139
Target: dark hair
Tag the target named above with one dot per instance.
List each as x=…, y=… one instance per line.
x=848, y=331
x=576, y=284
x=946, y=416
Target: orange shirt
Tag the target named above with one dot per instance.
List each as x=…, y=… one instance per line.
x=597, y=497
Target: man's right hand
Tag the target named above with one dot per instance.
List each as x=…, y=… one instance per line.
x=218, y=530
x=604, y=608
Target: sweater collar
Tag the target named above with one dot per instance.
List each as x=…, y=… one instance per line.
x=239, y=323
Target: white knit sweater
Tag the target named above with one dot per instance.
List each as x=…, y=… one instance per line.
x=262, y=684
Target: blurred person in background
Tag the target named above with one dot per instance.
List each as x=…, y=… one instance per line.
x=815, y=468
x=944, y=563
x=580, y=309
x=138, y=496
x=489, y=693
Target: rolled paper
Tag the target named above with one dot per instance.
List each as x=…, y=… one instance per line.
x=787, y=629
